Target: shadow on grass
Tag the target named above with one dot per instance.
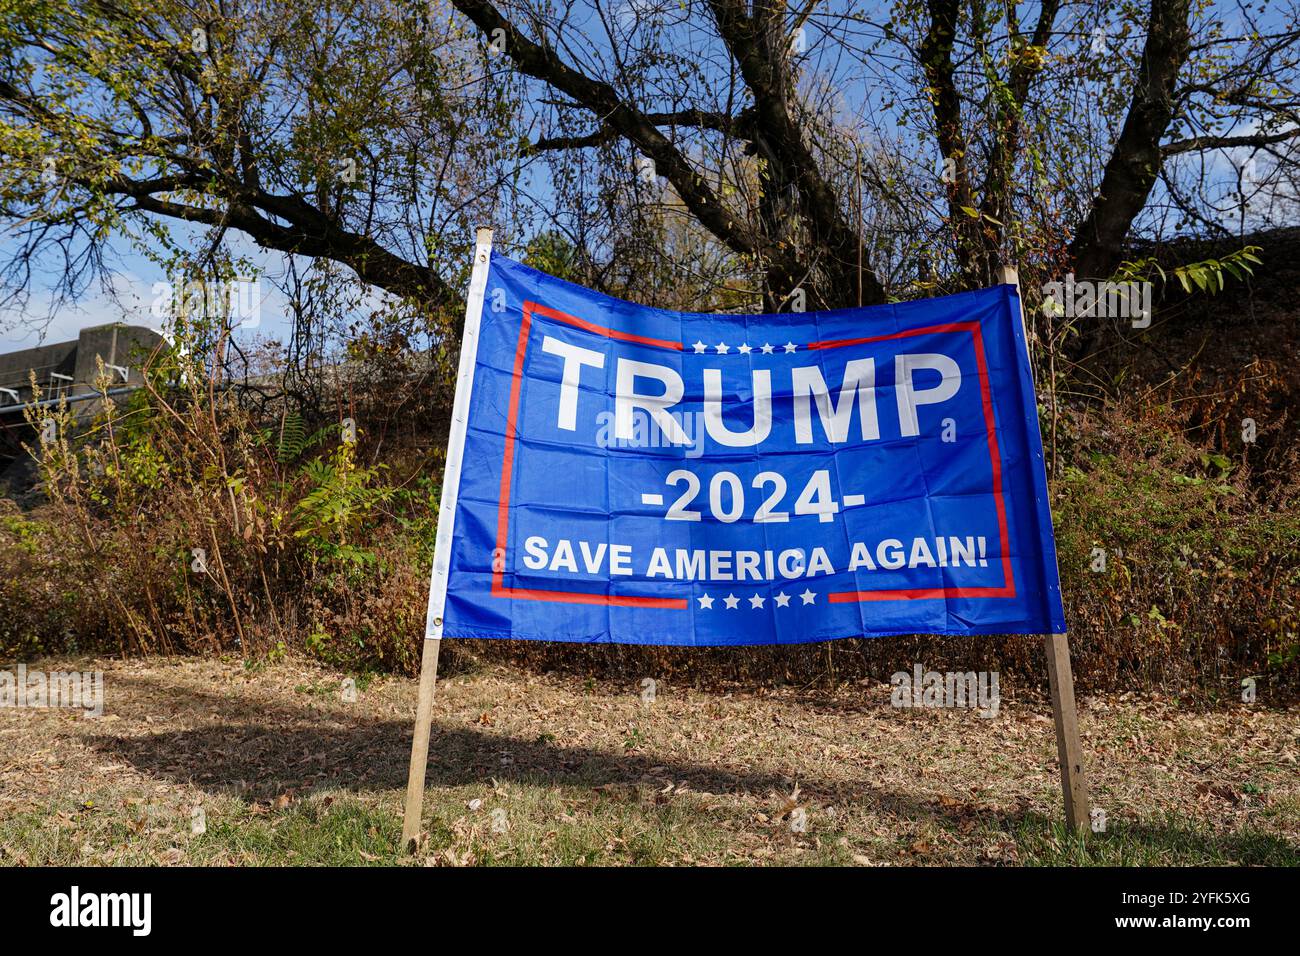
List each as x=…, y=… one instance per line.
x=256, y=762
x=271, y=747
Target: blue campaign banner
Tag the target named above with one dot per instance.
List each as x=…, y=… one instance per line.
x=625, y=474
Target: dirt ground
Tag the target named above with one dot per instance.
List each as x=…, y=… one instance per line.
x=215, y=762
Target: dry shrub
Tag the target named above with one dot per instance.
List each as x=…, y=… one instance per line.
x=180, y=521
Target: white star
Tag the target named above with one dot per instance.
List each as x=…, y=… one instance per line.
x=767, y=348
x=721, y=348
x=706, y=602
x=756, y=602
x=790, y=346
x=699, y=348
x=783, y=600
x=731, y=601
x=808, y=597
x=744, y=349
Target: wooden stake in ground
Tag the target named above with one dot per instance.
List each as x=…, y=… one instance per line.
x=1060, y=679
x=442, y=544
x=1069, y=748
x=420, y=746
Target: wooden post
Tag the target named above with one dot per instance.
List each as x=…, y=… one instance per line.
x=420, y=746
x=442, y=543
x=1060, y=680
x=1069, y=748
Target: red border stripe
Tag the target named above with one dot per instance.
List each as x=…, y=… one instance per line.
x=533, y=307
x=1008, y=588
x=499, y=589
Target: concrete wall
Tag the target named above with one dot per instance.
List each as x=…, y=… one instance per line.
x=124, y=345
x=15, y=367
x=116, y=343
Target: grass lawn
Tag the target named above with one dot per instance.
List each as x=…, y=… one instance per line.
x=527, y=769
